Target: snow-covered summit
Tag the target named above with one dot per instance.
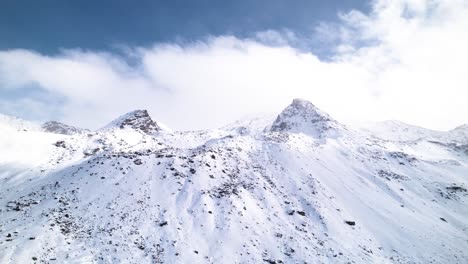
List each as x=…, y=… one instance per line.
x=301, y=116
x=399, y=131
x=61, y=128
x=139, y=120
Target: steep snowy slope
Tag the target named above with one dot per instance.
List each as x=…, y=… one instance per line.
x=306, y=190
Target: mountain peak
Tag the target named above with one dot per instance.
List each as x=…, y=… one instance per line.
x=309, y=108
x=138, y=120
x=302, y=102
x=60, y=128
x=301, y=116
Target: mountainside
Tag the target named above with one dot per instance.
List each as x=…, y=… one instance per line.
x=302, y=189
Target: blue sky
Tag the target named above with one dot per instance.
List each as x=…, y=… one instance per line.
x=203, y=64
x=50, y=25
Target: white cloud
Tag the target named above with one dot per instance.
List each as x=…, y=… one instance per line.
x=405, y=60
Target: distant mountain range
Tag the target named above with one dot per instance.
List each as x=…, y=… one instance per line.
x=298, y=188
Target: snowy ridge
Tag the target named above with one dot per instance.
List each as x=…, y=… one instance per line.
x=398, y=131
x=10, y=122
x=250, y=126
x=283, y=195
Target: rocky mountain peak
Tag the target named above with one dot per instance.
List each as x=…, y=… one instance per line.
x=138, y=120
x=301, y=116
x=60, y=128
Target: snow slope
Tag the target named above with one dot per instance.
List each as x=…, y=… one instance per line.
x=306, y=189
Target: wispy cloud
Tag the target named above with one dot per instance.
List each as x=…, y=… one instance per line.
x=405, y=60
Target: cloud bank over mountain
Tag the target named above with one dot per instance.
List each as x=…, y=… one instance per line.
x=405, y=60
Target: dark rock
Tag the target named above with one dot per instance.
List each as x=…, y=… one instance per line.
x=60, y=144
x=456, y=189
x=351, y=223
x=391, y=175
x=402, y=157
x=289, y=251
x=301, y=213
x=90, y=152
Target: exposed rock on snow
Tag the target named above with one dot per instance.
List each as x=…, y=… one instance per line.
x=138, y=120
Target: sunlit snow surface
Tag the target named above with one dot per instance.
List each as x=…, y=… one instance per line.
x=234, y=195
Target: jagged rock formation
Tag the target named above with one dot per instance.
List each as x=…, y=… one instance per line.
x=138, y=120
x=304, y=117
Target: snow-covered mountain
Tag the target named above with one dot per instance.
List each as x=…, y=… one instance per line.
x=300, y=189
